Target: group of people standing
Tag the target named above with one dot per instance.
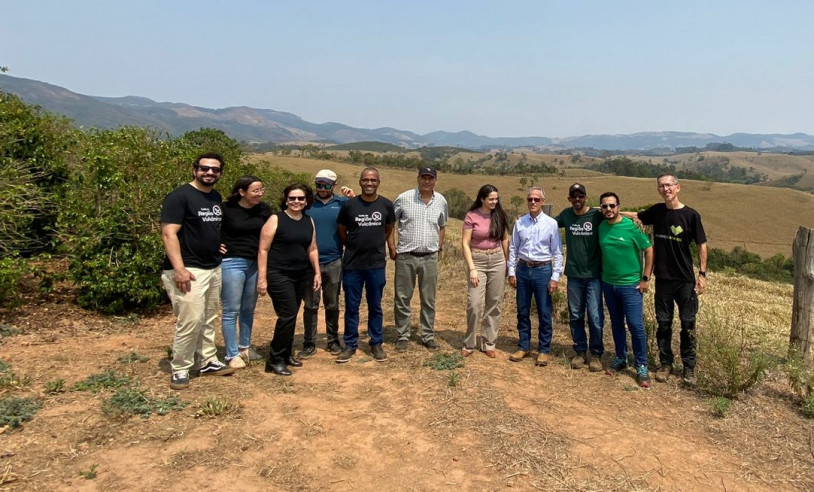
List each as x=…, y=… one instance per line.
x=322, y=242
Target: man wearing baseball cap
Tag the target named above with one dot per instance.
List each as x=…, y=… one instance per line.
x=582, y=268
x=324, y=212
x=421, y=217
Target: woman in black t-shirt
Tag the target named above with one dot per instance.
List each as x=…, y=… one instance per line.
x=286, y=260
x=243, y=216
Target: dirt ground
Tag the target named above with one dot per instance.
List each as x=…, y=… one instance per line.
x=492, y=424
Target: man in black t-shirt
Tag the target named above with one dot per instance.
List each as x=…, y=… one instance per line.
x=190, y=230
x=365, y=225
x=675, y=225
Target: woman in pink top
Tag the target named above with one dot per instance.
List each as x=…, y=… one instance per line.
x=485, y=245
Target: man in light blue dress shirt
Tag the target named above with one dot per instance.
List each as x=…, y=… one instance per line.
x=535, y=266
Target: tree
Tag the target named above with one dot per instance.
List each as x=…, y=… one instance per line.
x=516, y=202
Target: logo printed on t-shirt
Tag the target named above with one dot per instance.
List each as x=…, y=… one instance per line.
x=676, y=230
x=213, y=215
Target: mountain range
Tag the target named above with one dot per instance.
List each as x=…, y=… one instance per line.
x=255, y=125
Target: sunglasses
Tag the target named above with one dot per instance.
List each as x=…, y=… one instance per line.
x=324, y=186
x=578, y=197
x=206, y=169
x=533, y=199
x=606, y=206
x=296, y=199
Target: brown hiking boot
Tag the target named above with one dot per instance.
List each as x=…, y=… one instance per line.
x=663, y=374
x=542, y=360
x=595, y=363
x=578, y=362
x=518, y=356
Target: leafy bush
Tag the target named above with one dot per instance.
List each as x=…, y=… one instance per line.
x=445, y=362
x=97, y=382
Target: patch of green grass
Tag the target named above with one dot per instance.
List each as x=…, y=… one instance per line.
x=445, y=362
x=169, y=352
x=132, y=357
x=131, y=401
x=720, y=406
x=808, y=406
x=216, y=406
x=89, y=474
x=14, y=411
x=54, y=386
x=98, y=382
x=453, y=379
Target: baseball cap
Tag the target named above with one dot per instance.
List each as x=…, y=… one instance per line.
x=326, y=175
x=575, y=189
x=428, y=171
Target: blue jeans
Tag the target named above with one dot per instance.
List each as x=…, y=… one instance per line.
x=625, y=302
x=534, y=281
x=373, y=282
x=239, y=298
x=585, y=294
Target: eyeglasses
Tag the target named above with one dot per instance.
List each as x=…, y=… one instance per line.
x=324, y=186
x=258, y=191
x=296, y=199
x=533, y=199
x=606, y=206
x=578, y=197
x=206, y=169
x=667, y=186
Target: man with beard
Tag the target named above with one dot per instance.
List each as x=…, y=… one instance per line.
x=190, y=230
x=581, y=224
x=624, y=283
x=365, y=226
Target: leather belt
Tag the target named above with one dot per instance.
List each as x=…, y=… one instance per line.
x=420, y=255
x=533, y=264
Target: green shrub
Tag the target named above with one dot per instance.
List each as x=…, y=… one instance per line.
x=216, y=406
x=14, y=411
x=90, y=473
x=445, y=362
x=729, y=363
x=54, y=386
x=97, y=382
x=808, y=406
x=132, y=357
x=720, y=406
x=129, y=401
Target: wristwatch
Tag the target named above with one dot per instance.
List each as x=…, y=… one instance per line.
x=645, y=278
x=702, y=273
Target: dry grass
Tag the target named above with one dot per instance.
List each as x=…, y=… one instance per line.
x=734, y=215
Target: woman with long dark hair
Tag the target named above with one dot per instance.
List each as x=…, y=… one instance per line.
x=286, y=260
x=243, y=217
x=485, y=244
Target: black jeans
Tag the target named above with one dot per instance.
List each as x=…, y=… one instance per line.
x=286, y=290
x=668, y=294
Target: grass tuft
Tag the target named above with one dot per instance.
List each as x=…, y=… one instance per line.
x=132, y=357
x=89, y=474
x=54, y=386
x=9, y=379
x=720, y=406
x=216, y=406
x=445, y=362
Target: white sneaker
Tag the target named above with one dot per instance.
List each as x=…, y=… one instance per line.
x=237, y=363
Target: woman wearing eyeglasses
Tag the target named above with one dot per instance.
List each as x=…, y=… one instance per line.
x=485, y=244
x=286, y=260
x=243, y=216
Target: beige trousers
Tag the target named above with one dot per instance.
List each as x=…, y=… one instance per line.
x=196, y=311
x=486, y=298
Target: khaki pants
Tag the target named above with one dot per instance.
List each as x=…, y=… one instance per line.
x=486, y=298
x=408, y=268
x=196, y=311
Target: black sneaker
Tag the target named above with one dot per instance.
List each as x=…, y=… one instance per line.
x=346, y=355
x=334, y=348
x=378, y=353
x=401, y=345
x=430, y=344
x=216, y=368
x=307, y=352
x=179, y=380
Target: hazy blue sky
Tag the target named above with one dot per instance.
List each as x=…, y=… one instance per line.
x=498, y=68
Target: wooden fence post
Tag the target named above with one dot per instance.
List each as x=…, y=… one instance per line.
x=802, y=314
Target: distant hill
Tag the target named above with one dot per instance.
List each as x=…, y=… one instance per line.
x=266, y=125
